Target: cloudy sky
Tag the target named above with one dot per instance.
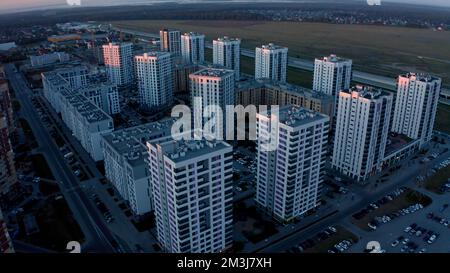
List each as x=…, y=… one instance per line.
x=8, y=5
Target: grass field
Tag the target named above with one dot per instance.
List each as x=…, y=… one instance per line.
x=339, y=236
x=436, y=182
x=378, y=49
x=442, y=118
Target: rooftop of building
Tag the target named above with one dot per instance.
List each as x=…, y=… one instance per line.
x=130, y=142
x=396, y=142
x=170, y=29
x=118, y=44
x=181, y=150
x=213, y=72
x=423, y=77
x=54, y=78
x=153, y=54
x=368, y=92
x=272, y=46
x=91, y=112
x=227, y=39
x=333, y=59
x=295, y=116
x=193, y=34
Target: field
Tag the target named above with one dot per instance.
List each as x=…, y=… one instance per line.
x=376, y=49
x=436, y=182
x=404, y=200
x=442, y=119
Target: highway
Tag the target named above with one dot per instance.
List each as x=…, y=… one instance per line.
x=358, y=76
x=98, y=236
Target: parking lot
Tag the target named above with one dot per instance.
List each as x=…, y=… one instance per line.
x=414, y=233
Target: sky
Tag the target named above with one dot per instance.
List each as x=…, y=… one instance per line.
x=11, y=5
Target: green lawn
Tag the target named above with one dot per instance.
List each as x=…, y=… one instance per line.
x=442, y=122
x=340, y=235
x=436, y=182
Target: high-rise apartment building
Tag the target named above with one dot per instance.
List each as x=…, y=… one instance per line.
x=416, y=105
x=227, y=53
x=289, y=177
x=170, y=41
x=118, y=58
x=193, y=194
x=332, y=74
x=215, y=87
x=271, y=62
x=193, y=48
x=362, y=127
x=154, y=72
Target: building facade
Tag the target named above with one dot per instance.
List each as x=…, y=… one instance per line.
x=215, y=87
x=87, y=120
x=50, y=58
x=289, y=177
x=118, y=59
x=125, y=156
x=5, y=240
x=362, y=127
x=193, y=48
x=332, y=74
x=416, y=105
x=105, y=95
x=271, y=62
x=227, y=53
x=193, y=194
x=268, y=92
x=154, y=72
x=170, y=41
x=8, y=176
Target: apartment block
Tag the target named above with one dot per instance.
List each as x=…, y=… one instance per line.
x=416, y=106
x=118, y=58
x=170, y=41
x=227, y=53
x=154, y=72
x=269, y=92
x=362, y=127
x=332, y=74
x=193, y=48
x=48, y=59
x=125, y=155
x=193, y=194
x=289, y=177
x=271, y=62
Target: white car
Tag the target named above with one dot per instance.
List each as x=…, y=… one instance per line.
x=407, y=229
x=432, y=239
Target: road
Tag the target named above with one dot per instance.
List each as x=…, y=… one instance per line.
x=358, y=76
x=97, y=234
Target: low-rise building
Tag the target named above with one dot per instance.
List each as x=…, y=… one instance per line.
x=124, y=154
x=268, y=92
x=50, y=58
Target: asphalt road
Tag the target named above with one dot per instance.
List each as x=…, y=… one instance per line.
x=95, y=230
